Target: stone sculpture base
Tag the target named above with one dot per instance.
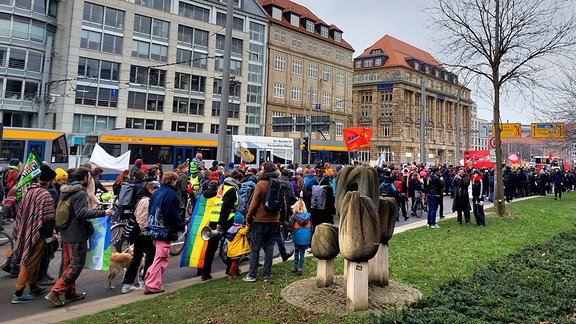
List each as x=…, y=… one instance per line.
x=378, y=272
x=332, y=299
x=325, y=273
x=357, y=286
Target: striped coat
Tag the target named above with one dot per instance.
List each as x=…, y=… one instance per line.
x=35, y=218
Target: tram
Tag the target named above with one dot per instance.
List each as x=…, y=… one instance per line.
x=50, y=146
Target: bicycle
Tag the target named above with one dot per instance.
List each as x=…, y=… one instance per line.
x=6, y=244
x=420, y=205
x=177, y=246
x=117, y=241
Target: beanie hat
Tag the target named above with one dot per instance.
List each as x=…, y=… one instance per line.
x=312, y=171
x=61, y=174
x=138, y=162
x=193, y=168
x=47, y=174
x=198, y=155
x=14, y=162
x=144, y=167
x=214, y=175
x=238, y=218
x=231, y=165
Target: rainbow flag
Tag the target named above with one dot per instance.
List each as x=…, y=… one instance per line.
x=195, y=246
x=98, y=254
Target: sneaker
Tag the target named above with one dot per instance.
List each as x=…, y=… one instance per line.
x=37, y=291
x=288, y=238
x=266, y=279
x=435, y=226
x=249, y=279
x=128, y=288
x=75, y=297
x=287, y=256
x=22, y=299
x=232, y=277
x=299, y=272
x=54, y=299
x=206, y=277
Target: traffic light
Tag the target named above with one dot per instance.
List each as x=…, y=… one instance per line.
x=305, y=144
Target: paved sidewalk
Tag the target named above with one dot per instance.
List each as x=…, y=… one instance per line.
x=77, y=310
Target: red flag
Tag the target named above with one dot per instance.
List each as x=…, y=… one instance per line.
x=550, y=157
x=476, y=155
x=513, y=158
x=566, y=166
x=357, y=138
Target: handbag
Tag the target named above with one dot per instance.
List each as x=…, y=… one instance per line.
x=131, y=231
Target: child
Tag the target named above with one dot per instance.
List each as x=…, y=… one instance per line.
x=238, y=245
x=301, y=233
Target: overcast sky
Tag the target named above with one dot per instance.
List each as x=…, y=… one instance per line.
x=364, y=22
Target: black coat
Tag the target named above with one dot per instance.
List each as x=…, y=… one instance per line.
x=461, y=199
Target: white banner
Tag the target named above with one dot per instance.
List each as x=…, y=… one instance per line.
x=105, y=160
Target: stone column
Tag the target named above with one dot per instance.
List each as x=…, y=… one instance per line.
x=357, y=286
x=378, y=267
x=325, y=273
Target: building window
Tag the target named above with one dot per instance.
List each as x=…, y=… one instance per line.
x=188, y=106
x=236, y=47
x=194, y=12
x=233, y=109
x=145, y=101
x=253, y=115
x=327, y=74
x=235, y=66
x=295, y=20
x=367, y=63
x=388, y=155
x=93, y=96
x=338, y=37
x=363, y=155
x=339, y=102
x=313, y=71
x=234, y=90
x=149, y=51
x=312, y=47
x=280, y=36
x=254, y=94
x=278, y=90
x=147, y=76
x=186, y=127
x=386, y=130
x=340, y=78
x=237, y=23
x=297, y=41
x=257, y=32
x=310, y=26
x=324, y=31
x=296, y=94
x=326, y=99
x=83, y=124
x=280, y=63
x=163, y=5
x=297, y=67
x=276, y=13
x=339, y=128
x=189, y=82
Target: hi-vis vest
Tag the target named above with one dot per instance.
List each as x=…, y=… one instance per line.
x=222, y=190
x=195, y=182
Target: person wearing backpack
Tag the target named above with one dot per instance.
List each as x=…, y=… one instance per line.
x=323, y=211
x=289, y=200
x=221, y=218
x=400, y=195
x=309, y=181
x=387, y=188
x=12, y=174
x=182, y=185
x=264, y=223
x=74, y=237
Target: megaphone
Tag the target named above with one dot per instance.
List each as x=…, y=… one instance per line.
x=206, y=233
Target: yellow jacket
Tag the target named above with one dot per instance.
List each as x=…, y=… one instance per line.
x=239, y=245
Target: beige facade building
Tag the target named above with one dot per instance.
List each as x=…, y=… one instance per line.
x=387, y=94
x=309, y=70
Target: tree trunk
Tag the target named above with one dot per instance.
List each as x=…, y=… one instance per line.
x=498, y=179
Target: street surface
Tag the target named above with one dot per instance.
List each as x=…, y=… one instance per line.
x=95, y=283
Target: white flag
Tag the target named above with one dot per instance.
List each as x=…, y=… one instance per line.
x=105, y=160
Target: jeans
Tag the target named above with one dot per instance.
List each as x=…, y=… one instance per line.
x=491, y=193
x=479, y=211
x=280, y=243
x=299, y=251
x=432, y=208
x=263, y=237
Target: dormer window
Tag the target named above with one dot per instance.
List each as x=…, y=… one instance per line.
x=338, y=37
x=416, y=65
x=376, y=51
x=427, y=69
x=276, y=13
x=310, y=26
x=324, y=31
x=294, y=20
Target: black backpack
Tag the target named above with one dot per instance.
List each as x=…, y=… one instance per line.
x=274, y=196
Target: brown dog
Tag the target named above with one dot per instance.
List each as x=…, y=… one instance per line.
x=119, y=261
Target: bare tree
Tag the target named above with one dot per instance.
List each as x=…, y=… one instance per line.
x=504, y=42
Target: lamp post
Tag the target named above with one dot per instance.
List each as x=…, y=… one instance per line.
x=44, y=96
x=224, y=150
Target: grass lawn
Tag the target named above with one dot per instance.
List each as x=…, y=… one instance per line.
x=423, y=258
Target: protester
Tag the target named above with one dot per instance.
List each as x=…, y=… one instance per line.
x=238, y=245
x=74, y=237
x=301, y=234
x=478, y=198
x=35, y=220
x=461, y=203
x=164, y=223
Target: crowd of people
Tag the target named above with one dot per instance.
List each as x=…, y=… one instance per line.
x=161, y=201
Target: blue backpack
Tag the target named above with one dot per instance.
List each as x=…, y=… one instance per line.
x=245, y=197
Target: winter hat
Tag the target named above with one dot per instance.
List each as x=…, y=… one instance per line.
x=138, y=162
x=47, y=174
x=238, y=218
x=405, y=172
x=193, y=168
x=423, y=174
x=214, y=175
x=231, y=165
x=312, y=171
x=61, y=174
x=14, y=162
x=144, y=167
x=198, y=155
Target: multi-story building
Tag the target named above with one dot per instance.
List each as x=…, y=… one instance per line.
x=154, y=64
x=309, y=72
x=480, y=131
x=387, y=94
